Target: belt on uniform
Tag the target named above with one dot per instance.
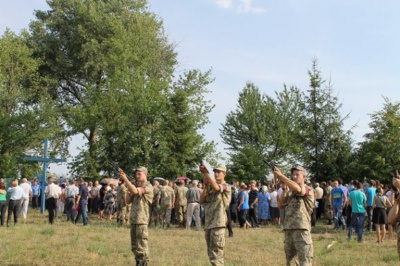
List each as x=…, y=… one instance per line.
x=193, y=202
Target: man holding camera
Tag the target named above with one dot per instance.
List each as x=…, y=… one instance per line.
x=298, y=202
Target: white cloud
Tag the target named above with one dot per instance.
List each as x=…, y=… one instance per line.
x=224, y=3
x=246, y=6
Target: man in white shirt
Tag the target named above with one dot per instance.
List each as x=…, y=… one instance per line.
x=53, y=193
x=70, y=195
x=23, y=210
x=319, y=192
x=16, y=195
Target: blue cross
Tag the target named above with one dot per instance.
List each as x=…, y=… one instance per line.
x=42, y=177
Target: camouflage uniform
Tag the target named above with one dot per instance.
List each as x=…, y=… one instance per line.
x=216, y=203
x=398, y=239
x=297, y=226
x=328, y=203
x=139, y=220
x=397, y=225
x=122, y=216
x=155, y=207
x=181, y=204
x=167, y=198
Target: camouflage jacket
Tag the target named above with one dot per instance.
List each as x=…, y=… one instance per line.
x=140, y=204
x=167, y=195
x=121, y=192
x=156, y=196
x=180, y=196
x=216, y=203
x=298, y=209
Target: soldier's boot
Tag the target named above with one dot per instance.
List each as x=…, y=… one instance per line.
x=137, y=262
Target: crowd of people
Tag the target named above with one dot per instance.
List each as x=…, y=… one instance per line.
x=177, y=203
x=360, y=206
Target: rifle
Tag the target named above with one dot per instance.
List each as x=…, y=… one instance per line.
x=272, y=167
x=202, y=163
x=199, y=159
x=395, y=171
x=118, y=171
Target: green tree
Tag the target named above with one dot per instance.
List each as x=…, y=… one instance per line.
x=383, y=143
x=26, y=115
x=110, y=65
x=262, y=126
x=327, y=146
x=187, y=113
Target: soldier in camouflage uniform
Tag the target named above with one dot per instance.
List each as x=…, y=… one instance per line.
x=141, y=196
x=155, y=206
x=298, y=204
x=121, y=206
x=328, y=202
x=181, y=203
x=167, y=201
x=394, y=214
x=216, y=197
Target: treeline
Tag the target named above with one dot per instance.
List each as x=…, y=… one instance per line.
x=105, y=70
x=308, y=128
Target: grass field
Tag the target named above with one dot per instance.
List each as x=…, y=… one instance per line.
x=35, y=242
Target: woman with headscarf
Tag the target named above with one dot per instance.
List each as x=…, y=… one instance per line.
x=109, y=205
x=263, y=205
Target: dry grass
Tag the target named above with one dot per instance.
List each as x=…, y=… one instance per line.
x=103, y=243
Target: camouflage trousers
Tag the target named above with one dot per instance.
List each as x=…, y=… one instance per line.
x=215, y=239
x=180, y=214
x=123, y=213
x=328, y=211
x=139, y=243
x=166, y=215
x=155, y=215
x=298, y=242
x=398, y=239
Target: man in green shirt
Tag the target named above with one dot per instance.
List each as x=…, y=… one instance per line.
x=358, y=203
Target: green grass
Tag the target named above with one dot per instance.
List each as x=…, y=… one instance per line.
x=35, y=242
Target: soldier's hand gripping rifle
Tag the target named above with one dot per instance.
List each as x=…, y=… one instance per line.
x=203, y=169
x=118, y=171
x=272, y=167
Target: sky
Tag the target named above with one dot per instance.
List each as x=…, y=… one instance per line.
x=271, y=43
